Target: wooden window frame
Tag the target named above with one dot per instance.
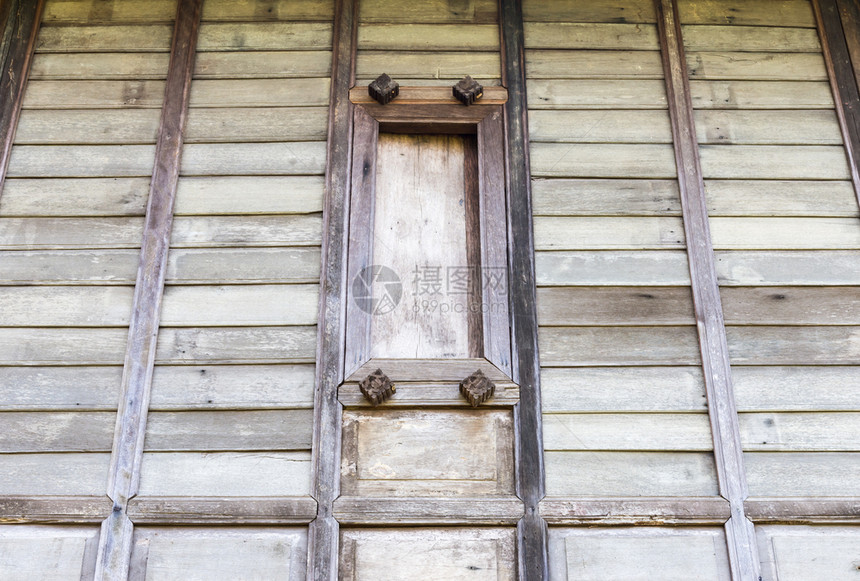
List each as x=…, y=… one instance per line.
x=433, y=110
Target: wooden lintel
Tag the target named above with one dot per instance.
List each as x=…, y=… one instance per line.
x=53, y=509
x=210, y=511
x=411, y=96
x=635, y=511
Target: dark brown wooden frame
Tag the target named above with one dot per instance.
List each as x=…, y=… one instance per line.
x=436, y=112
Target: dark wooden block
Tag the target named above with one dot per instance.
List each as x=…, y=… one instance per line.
x=477, y=388
x=377, y=387
x=468, y=90
x=383, y=89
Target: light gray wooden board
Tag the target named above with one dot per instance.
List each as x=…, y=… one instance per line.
x=262, y=64
x=259, y=195
x=808, y=553
x=791, y=305
x=699, y=37
x=608, y=233
x=103, y=66
x=598, y=197
x=222, y=511
x=626, y=389
x=81, y=160
x=600, y=127
x=761, y=94
x=306, y=158
x=779, y=13
x=774, y=162
x=832, y=267
x=803, y=474
x=610, y=474
x=634, y=268
x=117, y=38
x=780, y=198
x=38, y=432
x=785, y=233
x=225, y=474
x=257, y=125
x=185, y=266
x=761, y=66
x=473, y=11
x=578, y=36
x=601, y=160
x=800, y=432
x=426, y=65
x=29, y=346
x=595, y=346
x=632, y=431
x=804, y=388
x=59, y=388
x=469, y=511
x=785, y=345
x=432, y=37
x=224, y=554
x=638, y=554
x=240, y=305
x=597, y=94
x=768, y=127
x=45, y=553
x=253, y=36
x=613, y=306
x=593, y=64
x=301, y=92
x=93, y=94
x=54, y=474
x=66, y=306
x=633, y=11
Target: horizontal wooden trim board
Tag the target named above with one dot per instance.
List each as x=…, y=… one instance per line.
x=428, y=511
x=791, y=13
x=804, y=511
x=224, y=510
x=634, y=511
x=429, y=37
x=53, y=509
x=476, y=12
x=632, y=11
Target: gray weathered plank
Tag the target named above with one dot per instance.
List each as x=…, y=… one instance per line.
x=739, y=12
x=236, y=345
x=608, y=233
x=81, y=160
x=597, y=94
x=749, y=38
x=603, y=160
x=93, y=94
x=804, y=474
x=614, y=306
x=259, y=195
x=423, y=65
x=78, y=474
x=768, y=127
x=780, y=198
x=787, y=345
x=764, y=66
x=774, y=162
x=633, y=11
x=117, y=38
x=262, y=64
x=593, y=64
x=833, y=267
x=598, y=197
x=259, y=125
x=247, y=36
x=761, y=94
x=791, y=305
x=612, y=267
x=599, y=127
x=595, y=346
x=412, y=37
x=619, y=431
x=803, y=432
x=254, y=159
x=99, y=66
x=575, y=35
x=803, y=388
x=785, y=233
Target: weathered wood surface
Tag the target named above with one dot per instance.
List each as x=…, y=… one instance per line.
x=436, y=12
x=306, y=92
x=774, y=162
x=225, y=474
x=788, y=268
x=749, y=38
x=289, y=10
x=599, y=197
x=602, y=160
x=116, y=38
x=431, y=394
x=260, y=195
x=760, y=94
x=414, y=37
x=595, y=346
x=423, y=370
x=50, y=553
x=819, y=510
x=66, y=474
x=254, y=159
x=768, y=127
x=421, y=65
x=593, y=64
x=632, y=11
x=797, y=388
x=597, y=94
x=37, y=432
x=599, y=127
x=262, y=64
x=20, y=509
x=780, y=198
x=605, y=267
x=632, y=431
x=81, y=161
x=93, y=94
x=473, y=511
x=608, y=474
x=791, y=305
x=101, y=66
x=74, y=197
x=240, y=305
x=222, y=510
x=809, y=552
x=764, y=66
x=738, y=12
x=803, y=474
x=801, y=431
x=613, y=306
x=786, y=345
x=608, y=233
x=785, y=233
x=254, y=36
x=595, y=36
x=635, y=511
x=230, y=231
x=82, y=12
x=258, y=125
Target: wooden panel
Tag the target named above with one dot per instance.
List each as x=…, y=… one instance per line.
x=254, y=159
x=606, y=474
x=225, y=345
x=268, y=10
x=600, y=127
x=225, y=474
x=791, y=306
x=239, y=305
x=794, y=345
x=774, y=162
x=232, y=387
x=54, y=474
x=809, y=553
x=633, y=389
x=766, y=66
x=66, y=306
x=207, y=510
x=803, y=474
x=638, y=554
x=260, y=93
x=46, y=553
x=259, y=125
x=808, y=432
x=246, y=36
x=81, y=160
x=119, y=38
x=638, y=511
x=602, y=160
x=387, y=454
x=609, y=233
x=174, y=554
x=593, y=64
x=481, y=554
x=788, y=268
x=587, y=346
x=412, y=37
x=217, y=231
x=612, y=268
x=618, y=197
x=265, y=65
x=768, y=127
x=74, y=197
x=785, y=233
x=604, y=431
x=259, y=195
x=598, y=94
x=58, y=388
x=422, y=65
x=47, y=233
x=22, y=432
x=777, y=13
x=82, y=66
x=62, y=346
x=614, y=306
x=435, y=11
x=572, y=35
x=81, y=11
x=780, y=198
x=750, y=38
x=93, y=94
x=797, y=388
x=595, y=11
x=760, y=95
x=200, y=431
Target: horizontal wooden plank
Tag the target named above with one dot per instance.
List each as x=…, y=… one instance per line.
x=93, y=94
x=614, y=431
x=428, y=370
x=633, y=268
x=254, y=159
x=472, y=11
x=236, y=345
x=773, y=162
x=232, y=387
x=81, y=160
x=601, y=160
x=312, y=92
x=580, y=233
x=624, y=346
x=785, y=233
x=289, y=10
x=624, y=389
x=248, y=36
x=37, y=432
x=594, y=64
x=614, y=306
x=116, y=38
x=601, y=127
x=203, y=510
x=777, y=13
x=761, y=94
x=815, y=511
x=210, y=125
x=215, y=231
x=259, y=195
x=768, y=127
x=749, y=38
x=34, y=233
x=797, y=388
x=99, y=66
x=51, y=509
x=779, y=198
x=418, y=511
x=66, y=306
x=61, y=555
x=59, y=388
x=74, y=197
x=225, y=474
x=81, y=11
x=262, y=64
x=815, y=553
x=608, y=474
x=87, y=126
x=428, y=65
x=433, y=37
x=791, y=305
x=800, y=432
x=54, y=474
x=786, y=345
x=806, y=474
x=605, y=197
x=633, y=511
x=574, y=35
x=596, y=94
x=594, y=11
x=40, y=346
x=834, y=267
x=762, y=66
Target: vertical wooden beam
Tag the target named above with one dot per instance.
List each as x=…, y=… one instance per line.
x=841, y=47
x=20, y=24
x=116, y=539
x=323, y=541
x=532, y=529
x=728, y=454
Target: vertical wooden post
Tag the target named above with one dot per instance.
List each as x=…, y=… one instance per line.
x=743, y=556
x=323, y=539
x=840, y=43
x=116, y=538
x=532, y=529
x=19, y=20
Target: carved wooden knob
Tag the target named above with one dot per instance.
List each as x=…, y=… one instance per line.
x=477, y=388
x=383, y=89
x=468, y=90
x=376, y=387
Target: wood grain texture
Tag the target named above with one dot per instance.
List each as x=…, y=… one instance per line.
x=99, y=66
x=470, y=11
x=414, y=37
x=596, y=94
x=628, y=11
x=93, y=94
x=738, y=38
x=594, y=36
x=605, y=197
x=792, y=13
x=577, y=306
x=760, y=94
x=764, y=66
x=802, y=474
x=608, y=233
x=474, y=511
x=593, y=64
x=799, y=388
x=20, y=509
x=98, y=38
x=597, y=346
x=260, y=195
x=602, y=160
x=75, y=197
x=786, y=345
x=635, y=511
x=615, y=267
x=823, y=162
x=254, y=36
x=617, y=432
x=222, y=511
